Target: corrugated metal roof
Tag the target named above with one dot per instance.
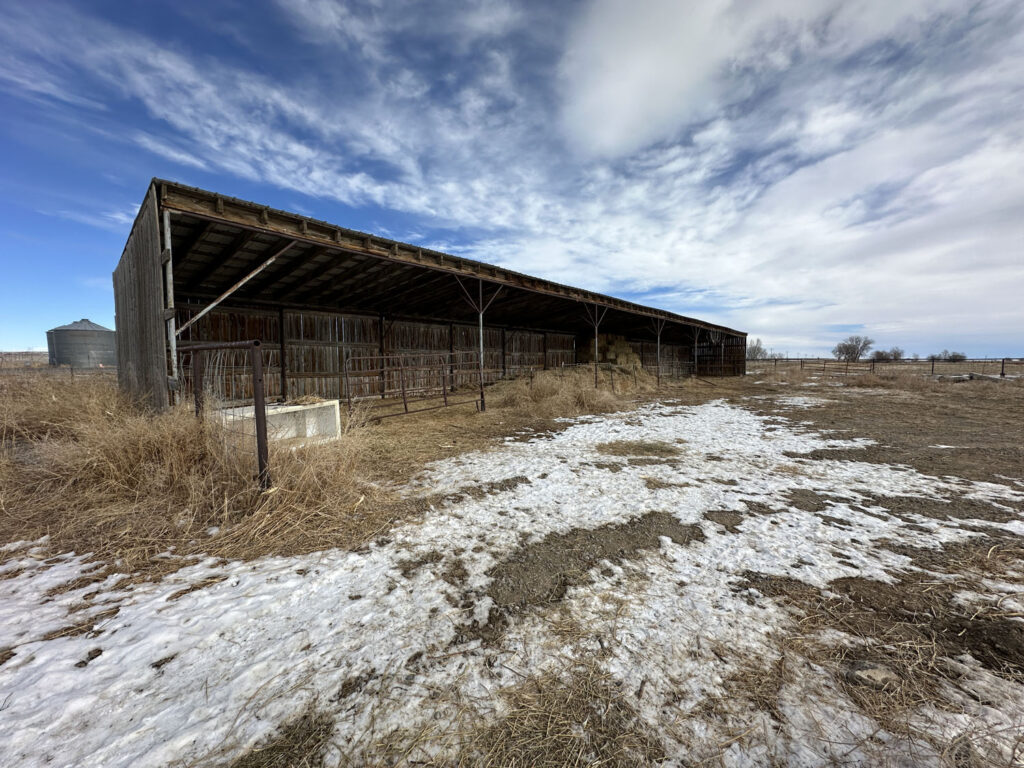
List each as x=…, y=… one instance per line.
x=81, y=325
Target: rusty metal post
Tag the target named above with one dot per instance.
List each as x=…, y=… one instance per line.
x=197, y=382
x=383, y=374
x=260, y=415
x=444, y=383
x=401, y=382
x=348, y=384
x=504, y=356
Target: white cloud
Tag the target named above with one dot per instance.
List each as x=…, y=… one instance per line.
x=801, y=163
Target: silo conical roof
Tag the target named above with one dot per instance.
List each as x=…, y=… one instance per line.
x=81, y=325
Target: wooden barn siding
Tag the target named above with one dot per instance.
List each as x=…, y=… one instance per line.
x=228, y=372
x=317, y=344
x=138, y=310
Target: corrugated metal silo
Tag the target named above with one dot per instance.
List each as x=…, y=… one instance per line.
x=82, y=344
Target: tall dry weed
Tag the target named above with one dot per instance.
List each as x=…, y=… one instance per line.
x=571, y=391
x=97, y=474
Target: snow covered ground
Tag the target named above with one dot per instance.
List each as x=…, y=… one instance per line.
x=380, y=639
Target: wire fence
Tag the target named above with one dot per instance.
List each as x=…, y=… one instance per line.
x=985, y=366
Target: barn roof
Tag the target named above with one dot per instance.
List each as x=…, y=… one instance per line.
x=217, y=241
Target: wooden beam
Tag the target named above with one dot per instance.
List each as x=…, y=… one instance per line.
x=327, y=292
x=236, y=247
x=185, y=250
x=286, y=269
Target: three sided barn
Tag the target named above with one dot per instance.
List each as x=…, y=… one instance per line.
x=336, y=310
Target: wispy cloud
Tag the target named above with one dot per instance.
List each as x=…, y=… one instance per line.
x=798, y=165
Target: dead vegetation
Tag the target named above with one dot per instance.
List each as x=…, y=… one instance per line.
x=571, y=392
x=579, y=717
x=637, y=448
x=143, y=492
x=301, y=743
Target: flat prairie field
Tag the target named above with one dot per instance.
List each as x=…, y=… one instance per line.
x=779, y=570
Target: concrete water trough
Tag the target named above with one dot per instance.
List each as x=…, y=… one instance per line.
x=310, y=422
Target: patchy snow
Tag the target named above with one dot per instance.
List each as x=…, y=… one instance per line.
x=202, y=675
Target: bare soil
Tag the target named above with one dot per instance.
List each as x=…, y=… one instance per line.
x=982, y=421
x=541, y=572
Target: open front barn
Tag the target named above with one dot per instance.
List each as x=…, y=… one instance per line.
x=344, y=314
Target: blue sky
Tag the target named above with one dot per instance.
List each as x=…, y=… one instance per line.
x=792, y=168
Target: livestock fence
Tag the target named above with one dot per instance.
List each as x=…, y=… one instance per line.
x=1002, y=367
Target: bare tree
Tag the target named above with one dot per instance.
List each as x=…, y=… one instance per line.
x=949, y=356
x=853, y=349
x=887, y=355
x=756, y=351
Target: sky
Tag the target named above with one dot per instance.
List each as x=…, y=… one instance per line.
x=801, y=170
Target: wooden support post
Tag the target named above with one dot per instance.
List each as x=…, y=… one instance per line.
x=545, y=341
x=480, y=286
x=172, y=335
x=504, y=356
x=284, y=355
x=383, y=361
x=451, y=355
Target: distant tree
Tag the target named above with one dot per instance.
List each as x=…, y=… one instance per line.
x=756, y=350
x=853, y=349
x=953, y=357
x=887, y=355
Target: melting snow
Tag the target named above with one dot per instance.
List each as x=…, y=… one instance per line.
x=240, y=656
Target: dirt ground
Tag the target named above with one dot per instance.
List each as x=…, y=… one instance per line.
x=772, y=570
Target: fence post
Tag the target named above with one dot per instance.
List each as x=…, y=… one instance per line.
x=444, y=383
x=401, y=383
x=260, y=415
x=1002, y=369
x=197, y=382
x=933, y=366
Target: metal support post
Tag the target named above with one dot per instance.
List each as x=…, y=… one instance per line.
x=595, y=318
x=480, y=307
x=260, y=415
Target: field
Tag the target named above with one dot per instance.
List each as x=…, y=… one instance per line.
x=788, y=569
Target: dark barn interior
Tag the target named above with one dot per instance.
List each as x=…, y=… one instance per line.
x=338, y=312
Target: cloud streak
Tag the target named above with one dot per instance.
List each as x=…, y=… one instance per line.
x=802, y=165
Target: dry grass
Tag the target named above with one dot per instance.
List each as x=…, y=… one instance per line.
x=572, y=715
x=97, y=474
x=637, y=448
x=301, y=743
x=552, y=721
x=570, y=392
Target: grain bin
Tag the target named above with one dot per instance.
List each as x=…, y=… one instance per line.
x=82, y=344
